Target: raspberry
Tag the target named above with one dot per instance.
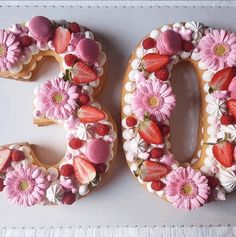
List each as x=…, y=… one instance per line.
x=1, y=185
x=165, y=129
x=84, y=99
x=157, y=185
x=100, y=168
x=156, y=153
x=17, y=155
x=68, y=198
x=70, y=60
x=26, y=41
x=149, y=43
x=74, y=27
x=187, y=46
x=162, y=74
x=67, y=170
x=226, y=119
x=131, y=121
x=75, y=143
x=102, y=129
x=213, y=182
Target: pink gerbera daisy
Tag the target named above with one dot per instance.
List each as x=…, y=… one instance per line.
x=56, y=99
x=186, y=188
x=26, y=185
x=218, y=49
x=9, y=50
x=153, y=97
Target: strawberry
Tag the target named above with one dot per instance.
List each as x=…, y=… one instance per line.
x=162, y=74
x=82, y=73
x=150, y=132
x=100, y=168
x=70, y=59
x=223, y=152
x=84, y=171
x=187, y=46
x=84, y=99
x=67, y=170
x=151, y=171
x=74, y=27
x=232, y=107
x=213, y=182
x=1, y=184
x=90, y=114
x=156, y=153
x=222, y=79
x=102, y=129
x=69, y=198
x=149, y=43
x=17, y=155
x=157, y=185
x=226, y=119
x=26, y=41
x=153, y=61
x=75, y=143
x=61, y=39
x=5, y=158
x=131, y=121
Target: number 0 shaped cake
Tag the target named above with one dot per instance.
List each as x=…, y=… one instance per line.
x=69, y=100
x=148, y=101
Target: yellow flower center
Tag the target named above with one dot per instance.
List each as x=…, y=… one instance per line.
x=2, y=50
x=187, y=189
x=58, y=98
x=153, y=101
x=220, y=50
x=24, y=185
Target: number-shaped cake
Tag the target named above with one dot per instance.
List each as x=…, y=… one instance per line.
x=67, y=99
x=148, y=101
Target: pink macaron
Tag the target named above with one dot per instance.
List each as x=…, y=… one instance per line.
x=98, y=150
x=41, y=28
x=169, y=42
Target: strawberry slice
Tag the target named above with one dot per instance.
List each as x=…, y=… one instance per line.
x=151, y=171
x=82, y=73
x=150, y=132
x=84, y=171
x=223, y=152
x=90, y=114
x=153, y=61
x=5, y=158
x=61, y=39
x=232, y=107
x=222, y=79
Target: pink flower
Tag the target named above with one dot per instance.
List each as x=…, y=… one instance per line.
x=9, y=50
x=153, y=98
x=56, y=99
x=186, y=188
x=26, y=185
x=218, y=49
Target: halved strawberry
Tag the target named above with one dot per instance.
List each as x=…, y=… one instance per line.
x=223, y=152
x=222, y=79
x=61, y=39
x=150, y=132
x=153, y=61
x=90, y=114
x=151, y=171
x=82, y=73
x=84, y=170
x=5, y=158
x=232, y=107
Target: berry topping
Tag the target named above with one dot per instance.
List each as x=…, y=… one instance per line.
x=75, y=143
x=74, y=27
x=232, y=107
x=226, y=119
x=153, y=61
x=157, y=185
x=162, y=74
x=84, y=99
x=17, y=155
x=213, y=182
x=67, y=170
x=70, y=59
x=100, y=168
x=102, y=129
x=26, y=41
x=165, y=130
x=156, y=153
x=149, y=43
x=61, y=39
x=69, y=198
x=1, y=185
x=187, y=46
x=5, y=159
x=131, y=121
